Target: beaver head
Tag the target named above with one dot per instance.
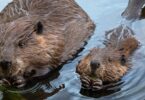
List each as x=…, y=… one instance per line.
x=28, y=49
x=105, y=65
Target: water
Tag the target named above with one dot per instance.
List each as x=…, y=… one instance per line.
x=107, y=15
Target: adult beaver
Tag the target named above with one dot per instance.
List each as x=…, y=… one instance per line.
x=37, y=36
x=107, y=65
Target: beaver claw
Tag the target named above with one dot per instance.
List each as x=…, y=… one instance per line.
x=91, y=84
x=5, y=82
x=19, y=83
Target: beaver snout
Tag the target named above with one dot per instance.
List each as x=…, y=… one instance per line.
x=5, y=64
x=94, y=65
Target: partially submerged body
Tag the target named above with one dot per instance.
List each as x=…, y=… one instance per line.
x=37, y=37
x=133, y=10
x=109, y=64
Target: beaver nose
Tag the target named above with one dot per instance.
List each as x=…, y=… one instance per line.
x=5, y=64
x=94, y=65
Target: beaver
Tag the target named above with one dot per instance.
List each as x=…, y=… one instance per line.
x=37, y=36
x=103, y=66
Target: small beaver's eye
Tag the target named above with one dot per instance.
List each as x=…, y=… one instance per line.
x=123, y=60
x=79, y=61
x=21, y=44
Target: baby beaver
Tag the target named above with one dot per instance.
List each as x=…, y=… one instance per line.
x=107, y=65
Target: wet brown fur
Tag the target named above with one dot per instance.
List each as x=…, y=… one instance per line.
x=65, y=29
x=111, y=69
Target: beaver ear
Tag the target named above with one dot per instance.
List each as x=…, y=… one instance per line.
x=39, y=28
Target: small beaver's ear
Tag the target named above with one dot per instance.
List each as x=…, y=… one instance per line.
x=39, y=28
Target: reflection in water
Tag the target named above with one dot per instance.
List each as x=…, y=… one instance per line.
x=106, y=90
x=107, y=16
x=42, y=94
x=97, y=94
x=34, y=89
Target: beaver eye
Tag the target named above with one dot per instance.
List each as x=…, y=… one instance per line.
x=21, y=44
x=123, y=60
x=79, y=61
x=39, y=28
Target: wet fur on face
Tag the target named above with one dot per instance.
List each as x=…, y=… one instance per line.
x=38, y=36
x=28, y=48
x=110, y=67
x=108, y=64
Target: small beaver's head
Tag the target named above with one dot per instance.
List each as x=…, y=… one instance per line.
x=100, y=66
x=28, y=49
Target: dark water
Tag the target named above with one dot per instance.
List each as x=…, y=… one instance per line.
x=107, y=15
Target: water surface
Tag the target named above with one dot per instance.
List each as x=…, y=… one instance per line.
x=106, y=14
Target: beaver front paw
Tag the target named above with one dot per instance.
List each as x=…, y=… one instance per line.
x=92, y=84
x=17, y=81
